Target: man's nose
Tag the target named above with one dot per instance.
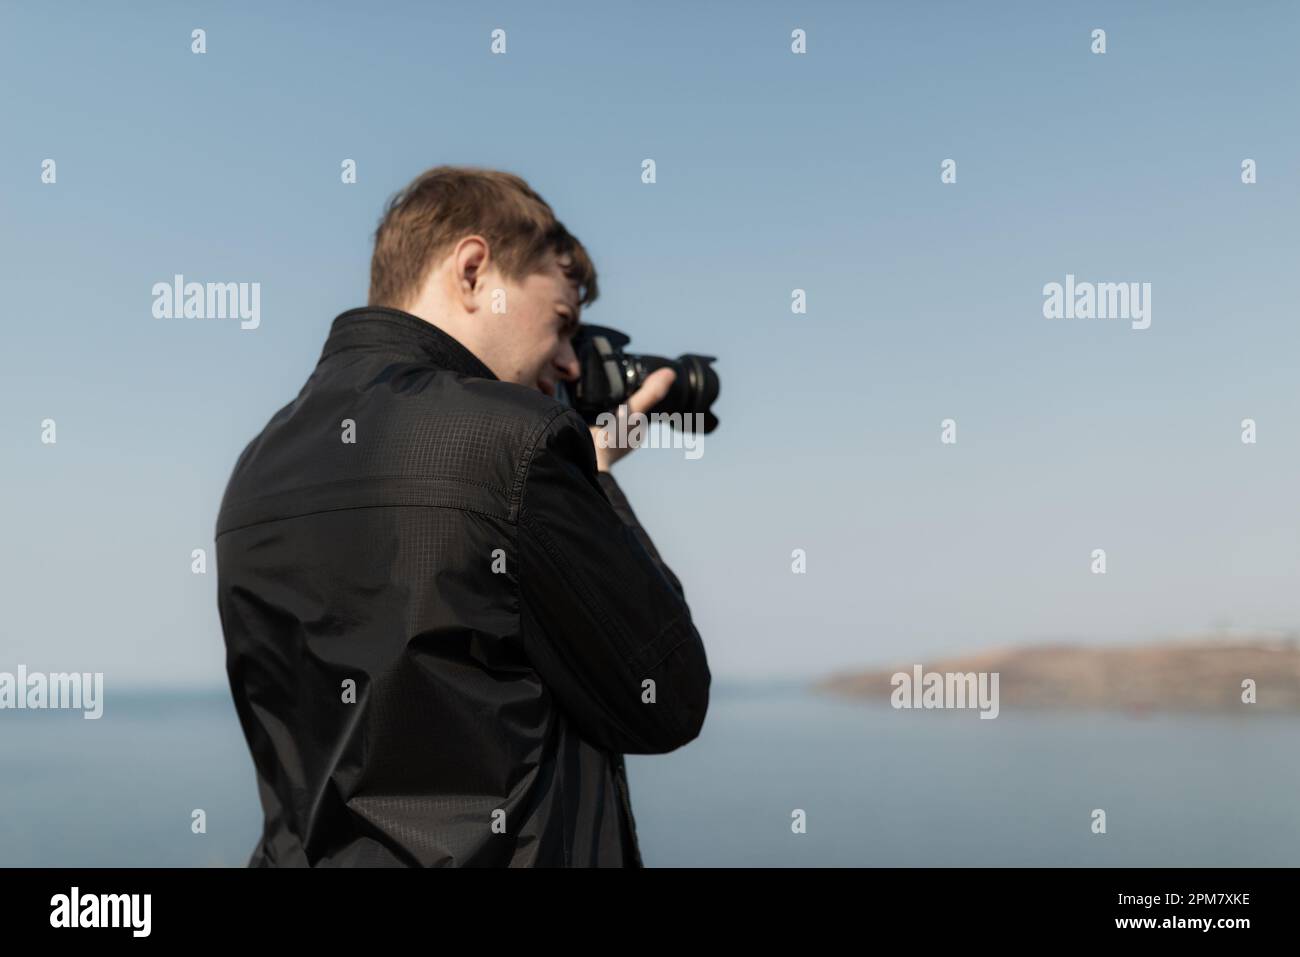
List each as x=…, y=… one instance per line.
x=567, y=363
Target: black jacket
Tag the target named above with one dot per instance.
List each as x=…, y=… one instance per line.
x=440, y=541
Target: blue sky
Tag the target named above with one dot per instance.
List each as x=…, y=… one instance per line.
x=775, y=172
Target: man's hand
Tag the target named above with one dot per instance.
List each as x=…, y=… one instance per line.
x=644, y=399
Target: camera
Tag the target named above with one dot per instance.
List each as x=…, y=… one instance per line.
x=609, y=376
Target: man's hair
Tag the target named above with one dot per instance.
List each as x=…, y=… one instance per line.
x=442, y=206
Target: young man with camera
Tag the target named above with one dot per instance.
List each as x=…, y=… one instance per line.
x=444, y=625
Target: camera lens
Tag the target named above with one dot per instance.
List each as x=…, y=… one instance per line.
x=608, y=376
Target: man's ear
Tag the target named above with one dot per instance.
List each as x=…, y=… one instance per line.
x=471, y=260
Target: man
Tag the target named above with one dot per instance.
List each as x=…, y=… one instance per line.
x=444, y=625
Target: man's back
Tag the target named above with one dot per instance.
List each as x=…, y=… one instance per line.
x=443, y=626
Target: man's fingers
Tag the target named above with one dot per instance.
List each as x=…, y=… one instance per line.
x=652, y=391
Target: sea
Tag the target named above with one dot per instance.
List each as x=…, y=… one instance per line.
x=781, y=776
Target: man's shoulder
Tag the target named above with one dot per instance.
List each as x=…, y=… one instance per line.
x=460, y=412
x=507, y=403
x=400, y=433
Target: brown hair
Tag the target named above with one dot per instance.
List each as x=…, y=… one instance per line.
x=447, y=203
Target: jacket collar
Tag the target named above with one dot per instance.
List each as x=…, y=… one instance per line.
x=392, y=330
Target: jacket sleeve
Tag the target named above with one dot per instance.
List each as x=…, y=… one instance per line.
x=623, y=509
x=602, y=615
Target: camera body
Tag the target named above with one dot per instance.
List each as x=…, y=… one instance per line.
x=609, y=376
